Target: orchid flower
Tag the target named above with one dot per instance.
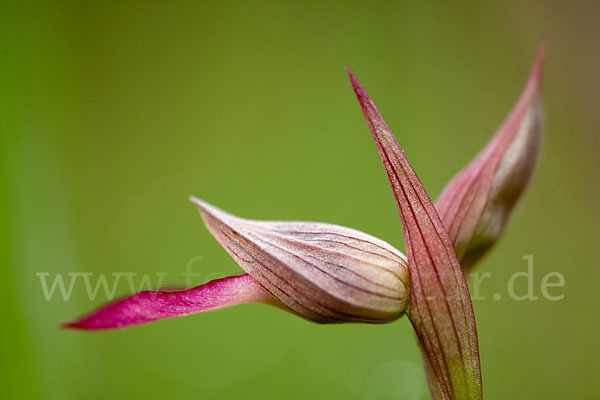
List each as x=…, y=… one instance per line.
x=331, y=274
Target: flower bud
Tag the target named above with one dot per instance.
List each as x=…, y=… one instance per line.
x=476, y=204
x=323, y=272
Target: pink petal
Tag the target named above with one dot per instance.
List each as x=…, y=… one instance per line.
x=150, y=306
x=476, y=204
x=440, y=306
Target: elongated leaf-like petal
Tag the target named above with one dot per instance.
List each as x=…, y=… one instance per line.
x=440, y=306
x=432, y=383
x=325, y=273
x=476, y=204
x=150, y=306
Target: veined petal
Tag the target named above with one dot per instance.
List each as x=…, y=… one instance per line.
x=150, y=306
x=432, y=383
x=323, y=272
x=440, y=306
x=476, y=204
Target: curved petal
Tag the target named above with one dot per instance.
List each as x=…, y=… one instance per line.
x=476, y=204
x=150, y=306
x=323, y=272
x=440, y=306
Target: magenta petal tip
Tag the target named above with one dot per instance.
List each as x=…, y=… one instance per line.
x=148, y=306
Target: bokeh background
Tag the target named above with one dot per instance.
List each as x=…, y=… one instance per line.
x=112, y=113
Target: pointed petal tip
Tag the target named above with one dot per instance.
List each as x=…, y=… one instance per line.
x=78, y=325
x=67, y=325
x=536, y=76
x=358, y=88
x=82, y=324
x=373, y=118
x=205, y=207
x=198, y=202
x=350, y=74
x=541, y=50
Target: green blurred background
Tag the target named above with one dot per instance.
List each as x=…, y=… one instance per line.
x=112, y=113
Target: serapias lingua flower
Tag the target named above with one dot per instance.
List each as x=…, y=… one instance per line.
x=328, y=273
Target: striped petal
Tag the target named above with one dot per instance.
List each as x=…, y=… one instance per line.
x=323, y=272
x=476, y=204
x=440, y=306
x=150, y=306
